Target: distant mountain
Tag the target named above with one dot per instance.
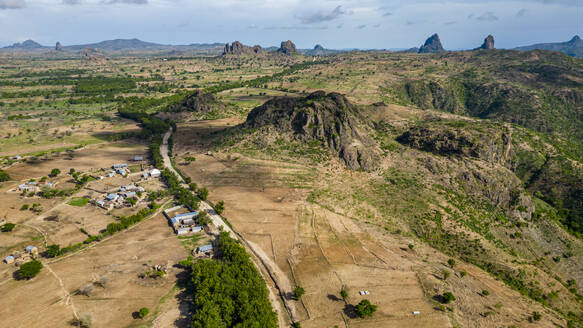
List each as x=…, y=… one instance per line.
x=573, y=47
x=120, y=44
x=26, y=45
x=318, y=51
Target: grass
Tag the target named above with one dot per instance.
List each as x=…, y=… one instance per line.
x=78, y=201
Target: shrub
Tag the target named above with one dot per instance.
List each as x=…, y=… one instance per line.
x=29, y=270
x=220, y=207
x=203, y=193
x=86, y=290
x=4, y=176
x=365, y=309
x=451, y=262
x=446, y=274
x=448, y=297
x=143, y=312
x=485, y=292
x=7, y=227
x=24, y=207
x=463, y=274
x=344, y=294
x=298, y=292
x=536, y=316
x=54, y=173
x=411, y=246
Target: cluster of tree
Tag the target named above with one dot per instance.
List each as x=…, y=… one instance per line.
x=128, y=221
x=229, y=291
x=104, y=85
x=7, y=227
x=29, y=270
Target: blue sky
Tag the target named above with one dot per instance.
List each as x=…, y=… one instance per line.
x=376, y=24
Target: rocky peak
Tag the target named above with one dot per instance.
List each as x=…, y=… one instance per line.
x=237, y=48
x=432, y=45
x=488, y=43
x=58, y=46
x=288, y=47
x=318, y=47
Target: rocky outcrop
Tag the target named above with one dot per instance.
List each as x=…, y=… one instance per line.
x=26, y=45
x=199, y=101
x=288, y=48
x=328, y=118
x=58, y=47
x=237, y=48
x=488, y=43
x=91, y=54
x=432, y=45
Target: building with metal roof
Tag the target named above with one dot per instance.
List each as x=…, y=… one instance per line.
x=196, y=229
x=182, y=231
x=205, y=248
x=155, y=173
x=112, y=197
x=119, y=166
x=9, y=259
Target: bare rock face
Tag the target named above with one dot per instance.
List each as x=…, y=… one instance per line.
x=257, y=49
x=288, y=48
x=327, y=118
x=432, y=45
x=58, y=47
x=488, y=43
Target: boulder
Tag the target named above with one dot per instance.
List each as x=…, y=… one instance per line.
x=288, y=48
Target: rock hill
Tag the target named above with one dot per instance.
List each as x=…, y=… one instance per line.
x=198, y=101
x=432, y=45
x=328, y=118
x=488, y=43
x=287, y=48
x=26, y=45
x=237, y=48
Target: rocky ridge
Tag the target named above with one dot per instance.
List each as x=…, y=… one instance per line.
x=432, y=45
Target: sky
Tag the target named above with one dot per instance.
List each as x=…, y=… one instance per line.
x=337, y=24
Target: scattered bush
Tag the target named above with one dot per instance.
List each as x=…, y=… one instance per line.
x=53, y=250
x=220, y=207
x=451, y=263
x=536, y=316
x=485, y=292
x=54, y=173
x=8, y=227
x=365, y=309
x=448, y=297
x=298, y=292
x=344, y=294
x=4, y=176
x=143, y=312
x=411, y=246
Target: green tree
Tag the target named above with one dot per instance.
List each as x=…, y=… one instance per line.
x=220, y=207
x=485, y=292
x=451, y=262
x=143, y=312
x=365, y=309
x=53, y=250
x=7, y=227
x=71, y=171
x=203, y=193
x=193, y=186
x=344, y=294
x=298, y=292
x=411, y=246
x=54, y=173
x=4, y=176
x=448, y=297
x=29, y=270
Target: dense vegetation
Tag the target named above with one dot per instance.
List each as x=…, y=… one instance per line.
x=229, y=291
x=29, y=270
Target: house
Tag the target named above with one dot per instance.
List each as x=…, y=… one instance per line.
x=154, y=173
x=186, y=216
x=145, y=174
x=188, y=222
x=110, y=174
x=129, y=194
x=205, y=249
x=138, y=158
x=182, y=231
x=119, y=166
x=31, y=249
x=174, y=223
x=9, y=259
x=121, y=171
x=103, y=204
x=122, y=189
x=196, y=229
x=112, y=197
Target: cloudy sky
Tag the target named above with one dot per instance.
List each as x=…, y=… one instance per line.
x=380, y=24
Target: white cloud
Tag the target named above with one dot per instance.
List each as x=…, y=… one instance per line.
x=12, y=4
x=487, y=17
